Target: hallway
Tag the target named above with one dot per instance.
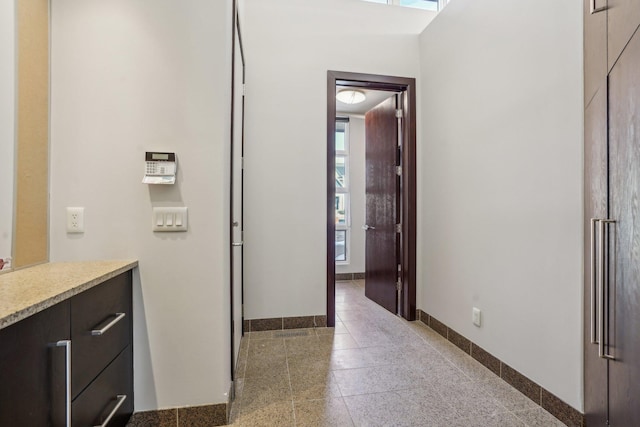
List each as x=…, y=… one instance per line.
x=373, y=369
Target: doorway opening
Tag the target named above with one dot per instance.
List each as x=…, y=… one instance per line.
x=390, y=218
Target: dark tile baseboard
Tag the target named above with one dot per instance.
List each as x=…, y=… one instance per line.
x=277, y=323
x=190, y=416
x=547, y=400
x=349, y=276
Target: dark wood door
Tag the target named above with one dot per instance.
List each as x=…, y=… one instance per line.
x=32, y=369
x=623, y=19
x=596, y=194
x=382, y=191
x=595, y=52
x=624, y=199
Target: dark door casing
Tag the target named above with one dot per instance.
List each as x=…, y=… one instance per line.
x=407, y=85
x=382, y=192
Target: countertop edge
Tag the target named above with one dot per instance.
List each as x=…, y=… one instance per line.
x=63, y=296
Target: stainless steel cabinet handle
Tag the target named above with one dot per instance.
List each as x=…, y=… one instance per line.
x=595, y=9
x=105, y=328
x=67, y=345
x=368, y=227
x=120, y=400
x=601, y=284
x=594, y=279
x=237, y=244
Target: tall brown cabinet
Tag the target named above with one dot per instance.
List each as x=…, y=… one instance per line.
x=612, y=212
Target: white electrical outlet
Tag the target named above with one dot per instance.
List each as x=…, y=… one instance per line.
x=475, y=317
x=75, y=220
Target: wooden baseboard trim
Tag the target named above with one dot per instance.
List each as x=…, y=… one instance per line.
x=547, y=400
x=349, y=276
x=278, y=323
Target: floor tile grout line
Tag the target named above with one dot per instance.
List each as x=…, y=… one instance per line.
x=353, y=423
x=293, y=406
x=405, y=330
x=451, y=361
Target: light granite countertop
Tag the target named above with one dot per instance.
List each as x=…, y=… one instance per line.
x=31, y=290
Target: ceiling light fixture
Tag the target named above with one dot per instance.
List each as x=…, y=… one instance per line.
x=351, y=96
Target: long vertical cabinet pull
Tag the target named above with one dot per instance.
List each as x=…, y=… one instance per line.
x=67, y=345
x=594, y=279
x=602, y=280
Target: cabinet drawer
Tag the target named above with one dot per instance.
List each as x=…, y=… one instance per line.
x=111, y=394
x=100, y=328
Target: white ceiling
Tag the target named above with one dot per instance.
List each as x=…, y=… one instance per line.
x=374, y=97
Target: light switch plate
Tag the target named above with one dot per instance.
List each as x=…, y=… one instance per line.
x=170, y=219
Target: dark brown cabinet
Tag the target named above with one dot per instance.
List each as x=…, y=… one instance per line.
x=595, y=185
x=101, y=333
x=109, y=397
x=100, y=330
x=33, y=369
x=624, y=244
x=623, y=18
x=595, y=57
x=96, y=327
x=612, y=214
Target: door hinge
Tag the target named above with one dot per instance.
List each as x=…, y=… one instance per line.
x=398, y=228
x=399, y=285
x=399, y=269
x=399, y=170
x=244, y=89
x=399, y=114
x=242, y=163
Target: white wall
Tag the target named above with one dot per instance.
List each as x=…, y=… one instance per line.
x=500, y=168
x=356, y=247
x=290, y=45
x=501, y=182
x=7, y=123
x=130, y=76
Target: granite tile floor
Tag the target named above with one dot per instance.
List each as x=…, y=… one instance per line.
x=372, y=369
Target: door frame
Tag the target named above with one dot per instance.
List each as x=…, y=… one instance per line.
x=408, y=182
x=236, y=33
